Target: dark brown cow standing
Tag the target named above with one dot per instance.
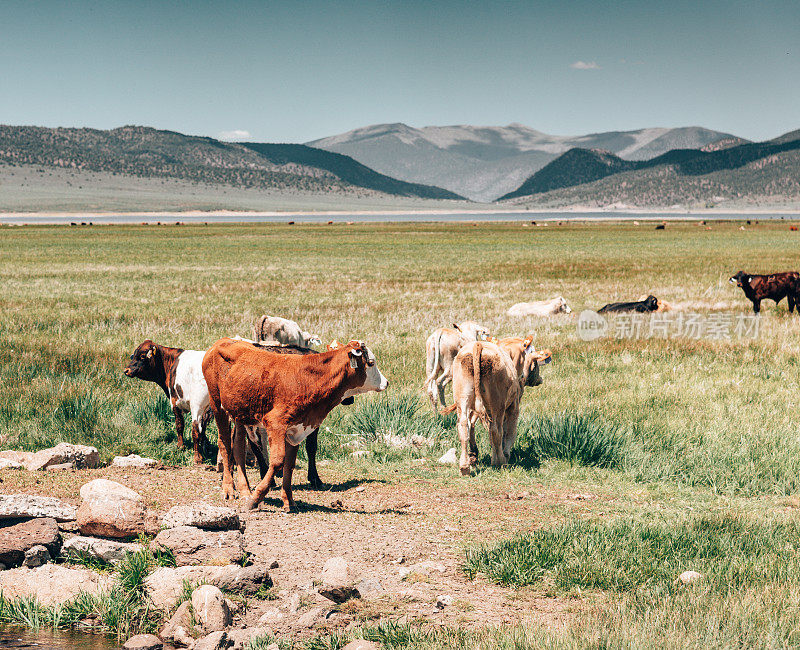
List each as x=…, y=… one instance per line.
x=775, y=286
x=288, y=395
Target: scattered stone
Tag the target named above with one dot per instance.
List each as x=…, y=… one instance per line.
x=17, y=506
x=241, y=637
x=214, y=641
x=15, y=540
x=450, y=457
x=369, y=588
x=7, y=463
x=36, y=556
x=690, y=577
x=132, y=460
x=202, y=515
x=444, y=600
x=101, y=487
x=294, y=604
x=60, y=466
x=182, y=639
x=359, y=454
x=274, y=564
x=82, y=456
x=210, y=609
x=143, y=642
x=337, y=580
x=17, y=457
x=52, y=584
x=181, y=619
x=271, y=616
x=165, y=584
x=104, y=550
x=308, y=619
x=361, y=488
x=192, y=545
x=361, y=644
x=115, y=517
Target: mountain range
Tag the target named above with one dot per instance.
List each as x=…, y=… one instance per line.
x=729, y=170
x=146, y=152
x=484, y=163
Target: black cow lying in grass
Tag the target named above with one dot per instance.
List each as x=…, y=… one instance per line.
x=642, y=306
x=775, y=286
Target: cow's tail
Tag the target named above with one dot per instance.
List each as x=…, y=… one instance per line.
x=476, y=378
x=437, y=342
x=448, y=410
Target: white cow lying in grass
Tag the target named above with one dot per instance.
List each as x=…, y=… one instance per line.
x=440, y=349
x=541, y=308
x=274, y=329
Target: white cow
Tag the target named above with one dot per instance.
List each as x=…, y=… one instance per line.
x=541, y=308
x=440, y=349
x=283, y=331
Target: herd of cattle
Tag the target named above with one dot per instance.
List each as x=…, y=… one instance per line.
x=273, y=391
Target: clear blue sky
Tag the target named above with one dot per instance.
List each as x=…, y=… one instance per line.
x=296, y=70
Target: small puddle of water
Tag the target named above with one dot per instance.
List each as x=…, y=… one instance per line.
x=42, y=639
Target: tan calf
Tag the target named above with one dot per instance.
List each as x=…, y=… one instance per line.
x=441, y=349
x=488, y=382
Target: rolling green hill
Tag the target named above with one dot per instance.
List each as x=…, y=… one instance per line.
x=145, y=152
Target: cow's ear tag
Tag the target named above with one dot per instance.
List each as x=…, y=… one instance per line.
x=353, y=363
x=150, y=353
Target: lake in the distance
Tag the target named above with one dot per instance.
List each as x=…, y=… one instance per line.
x=46, y=639
x=376, y=217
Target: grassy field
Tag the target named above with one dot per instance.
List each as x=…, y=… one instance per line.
x=692, y=443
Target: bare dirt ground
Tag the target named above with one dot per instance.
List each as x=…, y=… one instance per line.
x=406, y=533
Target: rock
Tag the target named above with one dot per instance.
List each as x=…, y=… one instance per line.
x=16, y=506
x=6, y=463
x=104, y=550
x=165, y=584
x=60, y=466
x=369, y=588
x=115, y=517
x=132, y=460
x=450, y=457
x=337, y=580
x=308, y=619
x=143, y=642
x=182, y=639
x=15, y=540
x=359, y=454
x=52, y=584
x=36, y=556
x=202, y=515
x=101, y=487
x=82, y=456
x=690, y=577
x=214, y=641
x=445, y=600
x=241, y=637
x=17, y=457
x=192, y=545
x=396, y=442
x=361, y=644
x=210, y=609
x=271, y=616
x=182, y=618
x=294, y=604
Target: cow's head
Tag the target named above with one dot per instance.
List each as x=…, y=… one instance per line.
x=145, y=362
x=534, y=360
x=473, y=330
x=311, y=339
x=365, y=369
x=651, y=302
x=563, y=307
x=740, y=279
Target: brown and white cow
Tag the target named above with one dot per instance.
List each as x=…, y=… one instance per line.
x=488, y=382
x=441, y=349
x=288, y=395
x=179, y=374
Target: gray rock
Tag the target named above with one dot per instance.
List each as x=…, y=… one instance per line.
x=192, y=545
x=450, y=457
x=690, y=577
x=202, y=515
x=15, y=540
x=16, y=457
x=308, y=619
x=82, y=456
x=132, y=460
x=101, y=487
x=214, y=641
x=444, y=600
x=272, y=616
x=115, y=517
x=337, y=580
x=16, y=506
x=182, y=618
x=52, y=584
x=241, y=637
x=143, y=642
x=369, y=588
x=104, y=550
x=165, y=585
x=210, y=609
x=182, y=639
x=60, y=466
x=361, y=644
x=36, y=556
x=7, y=463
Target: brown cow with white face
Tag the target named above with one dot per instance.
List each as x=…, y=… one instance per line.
x=288, y=395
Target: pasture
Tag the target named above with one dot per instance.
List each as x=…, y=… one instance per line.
x=637, y=459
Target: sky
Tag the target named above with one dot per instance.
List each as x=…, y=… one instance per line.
x=297, y=70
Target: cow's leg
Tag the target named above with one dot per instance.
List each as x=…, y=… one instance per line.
x=312, y=443
x=262, y=463
x=178, y=414
x=240, y=455
x=464, y=435
x=756, y=306
x=791, y=299
x=510, y=430
x=289, y=461
x=496, y=441
x=473, y=444
x=205, y=418
x=441, y=383
x=225, y=456
x=277, y=453
x=198, y=457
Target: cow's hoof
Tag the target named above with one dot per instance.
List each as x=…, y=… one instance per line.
x=289, y=508
x=466, y=471
x=228, y=492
